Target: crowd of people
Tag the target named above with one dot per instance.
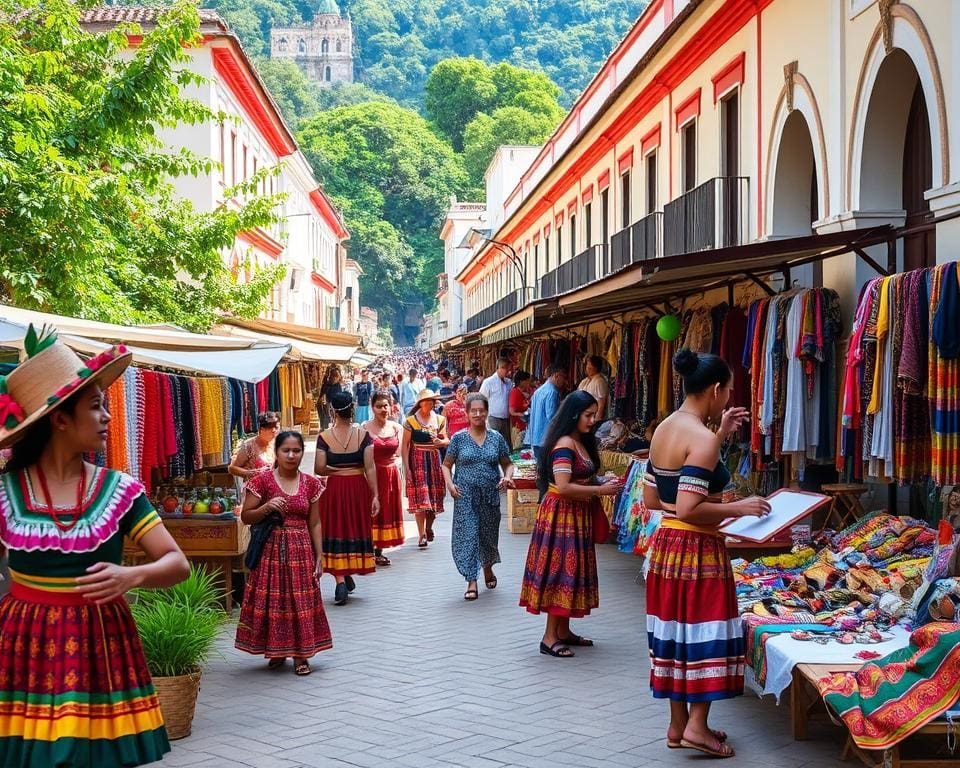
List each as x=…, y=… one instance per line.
x=388, y=442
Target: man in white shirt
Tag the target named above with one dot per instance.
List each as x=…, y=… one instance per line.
x=596, y=385
x=496, y=389
x=410, y=390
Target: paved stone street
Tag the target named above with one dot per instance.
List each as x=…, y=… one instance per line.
x=419, y=677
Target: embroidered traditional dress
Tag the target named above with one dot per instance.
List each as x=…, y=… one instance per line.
x=560, y=576
x=476, y=514
x=74, y=685
x=345, y=512
x=282, y=613
x=426, y=487
x=693, y=624
x=388, y=525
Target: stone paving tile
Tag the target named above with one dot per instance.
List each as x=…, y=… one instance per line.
x=419, y=677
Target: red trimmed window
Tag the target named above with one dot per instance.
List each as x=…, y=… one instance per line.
x=728, y=77
x=625, y=161
x=650, y=141
x=603, y=181
x=688, y=110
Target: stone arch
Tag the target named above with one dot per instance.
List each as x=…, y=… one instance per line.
x=797, y=152
x=325, y=46
x=283, y=45
x=900, y=57
x=327, y=74
x=339, y=46
x=301, y=46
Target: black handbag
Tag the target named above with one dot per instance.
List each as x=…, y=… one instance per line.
x=259, y=534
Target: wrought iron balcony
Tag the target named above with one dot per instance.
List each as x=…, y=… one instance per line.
x=496, y=311
x=712, y=215
x=581, y=270
x=640, y=241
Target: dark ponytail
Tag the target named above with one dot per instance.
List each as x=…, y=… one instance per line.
x=701, y=371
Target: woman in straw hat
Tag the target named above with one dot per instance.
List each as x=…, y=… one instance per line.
x=424, y=434
x=347, y=508
x=74, y=685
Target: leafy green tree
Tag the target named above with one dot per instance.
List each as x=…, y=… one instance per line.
x=347, y=94
x=456, y=91
x=392, y=177
x=507, y=125
x=90, y=224
x=296, y=95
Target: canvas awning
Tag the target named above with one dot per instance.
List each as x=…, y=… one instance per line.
x=293, y=331
x=304, y=350
x=252, y=363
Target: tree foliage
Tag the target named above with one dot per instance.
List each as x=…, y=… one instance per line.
x=392, y=177
x=90, y=224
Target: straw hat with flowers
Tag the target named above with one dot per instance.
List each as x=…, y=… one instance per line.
x=51, y=375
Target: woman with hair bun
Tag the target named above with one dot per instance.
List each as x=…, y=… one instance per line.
x=560, y=576
x=351, y=501
x=386, y=436
x=693, y=623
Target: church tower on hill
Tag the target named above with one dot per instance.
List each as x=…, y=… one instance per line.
x=323, y=49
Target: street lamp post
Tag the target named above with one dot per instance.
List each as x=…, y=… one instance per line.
x=507, y=250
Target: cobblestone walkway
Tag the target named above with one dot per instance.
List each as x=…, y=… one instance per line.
x=419, y=677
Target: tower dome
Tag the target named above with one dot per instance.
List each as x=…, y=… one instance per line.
x=328, y=8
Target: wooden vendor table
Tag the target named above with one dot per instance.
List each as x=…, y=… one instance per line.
x=221, y=543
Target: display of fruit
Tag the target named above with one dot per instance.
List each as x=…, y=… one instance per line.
x=216, y=507
x=187, y=507
x=170, y=504
x=201, y=507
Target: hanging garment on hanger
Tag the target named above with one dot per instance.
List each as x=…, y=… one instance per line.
x=912, y=441
x=944, y=382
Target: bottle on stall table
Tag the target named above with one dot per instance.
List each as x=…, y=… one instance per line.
x=216, y=501
x=202, y=506
x=189, y=502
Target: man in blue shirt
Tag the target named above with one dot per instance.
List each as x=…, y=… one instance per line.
x=409, y=391
x=544, y=405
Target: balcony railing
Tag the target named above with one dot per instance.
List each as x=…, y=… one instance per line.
x=581, y=270
x=640, y=241
x=496, y=311
x=712, y=215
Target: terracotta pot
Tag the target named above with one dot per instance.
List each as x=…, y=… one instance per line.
x=178, y=702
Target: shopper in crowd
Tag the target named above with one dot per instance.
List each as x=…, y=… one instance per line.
x=520, y=406
x=395, y=382
x=331, y=386
x=596, y=384
x=434, y=383
x=256, y=453
x=282, y=613
x=410, y=389
x=446, y=383
x=345, y=458
x=693, y=623
x=66, y=633
x=424, y=434
x=560, y=576
x=362, y=392
x=496, y=389
x=455, y=411
x=472, y=379
x=387, y=438
x=544, y=404
x=477, y=456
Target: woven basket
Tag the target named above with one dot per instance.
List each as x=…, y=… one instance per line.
x=178, y=701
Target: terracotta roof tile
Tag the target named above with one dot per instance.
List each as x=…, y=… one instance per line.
x=140, y=14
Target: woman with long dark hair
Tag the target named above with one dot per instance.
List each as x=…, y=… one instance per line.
x=693, y=622
x=347, y=508
x=560, y=577
x=282, y=613
x=424, y=435
x=256, y=454
x=74, y=684
x=386, y=434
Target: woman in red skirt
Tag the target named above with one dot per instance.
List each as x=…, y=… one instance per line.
x=424, y=434
x=74, y=685
x=388, y=525
x=351, y=501
x=282, y=613
x=560, y=576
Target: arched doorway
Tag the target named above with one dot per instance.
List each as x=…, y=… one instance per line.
x=795, y=192
x=896, y=165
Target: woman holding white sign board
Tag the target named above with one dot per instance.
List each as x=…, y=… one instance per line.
x=693, y=624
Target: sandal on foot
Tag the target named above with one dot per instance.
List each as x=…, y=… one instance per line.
x=422, y=543
x=471, y=594
x=722, y=752
x=491, y=583
x=276, y=663
x=302, y=669
x=719, y=735
x=382, y=560
x=577, y=640
x=558, y=649
x=340, y=596
x=429, y=535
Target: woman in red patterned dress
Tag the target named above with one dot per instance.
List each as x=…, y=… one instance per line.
x=560, y=577
x=282, y=613
x=388, y=525
x=424, y=434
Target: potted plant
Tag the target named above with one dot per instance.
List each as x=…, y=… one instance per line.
x=178, y=627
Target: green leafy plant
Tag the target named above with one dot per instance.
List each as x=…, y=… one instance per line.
x=179, y=625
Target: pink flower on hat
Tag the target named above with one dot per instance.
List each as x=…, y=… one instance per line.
x=11, y=413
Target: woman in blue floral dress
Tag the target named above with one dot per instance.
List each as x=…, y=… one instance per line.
x=477, y=455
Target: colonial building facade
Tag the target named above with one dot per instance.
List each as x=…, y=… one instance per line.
x=717, y=124
x=323, y=49
x=309, y=235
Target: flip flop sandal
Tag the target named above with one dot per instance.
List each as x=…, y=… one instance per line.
x=382, y=561
x=471, y=594
x=720, y=736
x=302, y=669
x=719, y=754
x=276, y=663
x=422, y=543
x=557, y=650
x=577, y=640
x=491, y=583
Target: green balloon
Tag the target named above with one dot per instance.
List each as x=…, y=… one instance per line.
x=668, y=327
